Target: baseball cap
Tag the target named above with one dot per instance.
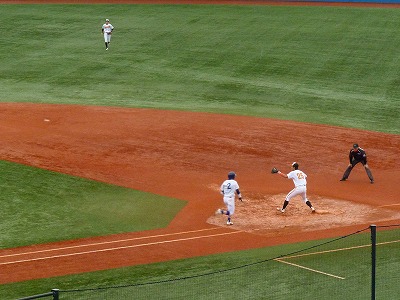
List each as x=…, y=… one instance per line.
x=107, y=20
x=355, y=146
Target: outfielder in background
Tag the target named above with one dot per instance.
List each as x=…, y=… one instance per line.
x=300, y=186
x=357, y=155
x=228, y=188
x=107, y=30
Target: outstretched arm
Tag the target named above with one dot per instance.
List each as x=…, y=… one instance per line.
x=282, y=174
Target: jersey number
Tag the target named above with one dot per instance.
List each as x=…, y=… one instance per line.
x=300, y=175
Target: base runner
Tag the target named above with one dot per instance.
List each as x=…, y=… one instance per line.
x=228, y=188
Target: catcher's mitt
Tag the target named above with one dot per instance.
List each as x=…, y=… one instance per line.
x=274, y=170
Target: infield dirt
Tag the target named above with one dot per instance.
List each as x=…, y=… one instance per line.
x=144, y=148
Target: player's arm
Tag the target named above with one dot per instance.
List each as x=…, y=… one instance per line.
x=364, y=155
x=282, y=174
x=239, y=194
x=351, y=156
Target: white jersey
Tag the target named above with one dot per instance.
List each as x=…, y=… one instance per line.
x=229, y=187
x=298, y=177
x=107, y=28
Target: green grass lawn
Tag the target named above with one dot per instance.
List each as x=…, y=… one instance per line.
x=39, y=206
x=331, y=65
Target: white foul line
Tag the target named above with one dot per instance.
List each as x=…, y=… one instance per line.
x=327, y=251
x=104, y=243
x=340, y=249
x=309, y=269
x=117, y=248
x=387, y=205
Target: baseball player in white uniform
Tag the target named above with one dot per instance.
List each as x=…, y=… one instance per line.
x=300, y=187
x=107, y=29
x=228, y=188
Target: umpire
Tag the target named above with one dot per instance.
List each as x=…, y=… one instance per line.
x=357, y=155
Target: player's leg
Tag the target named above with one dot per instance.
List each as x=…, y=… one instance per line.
x=346, y=173
x=108, y=40
x=105, y=40
x=231, y=209
x=289, y=196
x=369, y=173
x=223, y=211
x=348, y=170
x=285, y=204
x=306, y=201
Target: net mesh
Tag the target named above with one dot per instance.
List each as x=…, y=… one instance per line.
x=334, y=269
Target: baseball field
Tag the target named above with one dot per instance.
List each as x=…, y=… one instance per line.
x=111, y=161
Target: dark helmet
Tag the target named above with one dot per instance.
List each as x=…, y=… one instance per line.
x=231, y=175
x=355, y=146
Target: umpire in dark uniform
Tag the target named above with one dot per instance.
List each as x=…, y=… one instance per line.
x=357, y=155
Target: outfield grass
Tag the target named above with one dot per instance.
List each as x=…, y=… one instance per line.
x=331, y=65
x=39, y=206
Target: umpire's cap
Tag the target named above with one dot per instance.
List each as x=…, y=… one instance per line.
x=231, y=175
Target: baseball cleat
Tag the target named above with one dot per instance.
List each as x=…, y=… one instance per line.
x=312, y=209
x=343, y=179
x=281, y=210
x=229, y=223
x=372, y=181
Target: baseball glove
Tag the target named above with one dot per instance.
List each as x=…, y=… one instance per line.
x=274, y=170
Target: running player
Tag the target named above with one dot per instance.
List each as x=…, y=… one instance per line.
x=228, y=188
x=300, y=187
x=107, y=30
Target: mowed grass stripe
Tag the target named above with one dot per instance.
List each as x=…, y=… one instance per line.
x=331, y=65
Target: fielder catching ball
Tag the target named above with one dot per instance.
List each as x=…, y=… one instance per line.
x=300, y=186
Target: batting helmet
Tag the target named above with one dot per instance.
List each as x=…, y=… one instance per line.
x=231, y=175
